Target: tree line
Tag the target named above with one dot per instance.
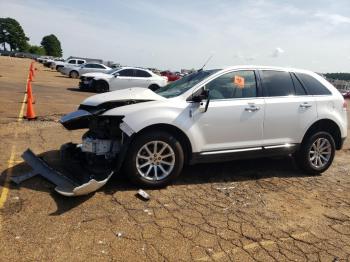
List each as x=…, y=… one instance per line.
x=13, y=38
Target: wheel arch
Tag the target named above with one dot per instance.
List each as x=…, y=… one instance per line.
x=175, y=131
x=154, y=85
x=327, y=125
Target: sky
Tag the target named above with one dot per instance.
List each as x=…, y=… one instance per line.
x=312, y=34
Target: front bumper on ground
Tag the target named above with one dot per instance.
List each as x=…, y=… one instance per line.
x=77, y=184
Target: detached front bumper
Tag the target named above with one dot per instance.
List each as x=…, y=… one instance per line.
x=67, y=184
x=89, y=165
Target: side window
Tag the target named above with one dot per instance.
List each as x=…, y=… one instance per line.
x=99, y=66
x=312, y=85
x=126, y=72
x=81, y=62
x=299, y=89
x=238, y=84
x=141, y=73
x=277, y=83
x=89, y=66
x=71, y=61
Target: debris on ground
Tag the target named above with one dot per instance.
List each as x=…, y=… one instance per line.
x=143, y=195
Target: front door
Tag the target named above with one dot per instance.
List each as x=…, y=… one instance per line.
x=122, y=79
x=234, y=119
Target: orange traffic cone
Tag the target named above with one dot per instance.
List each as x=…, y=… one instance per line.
x=30, y=110
x=32, y=69
x=29, y=92
x=30, y=76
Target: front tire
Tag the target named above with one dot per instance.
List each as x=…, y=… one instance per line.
x=154, y=159
x=73, y=74
x=316, y=153
x=101, y=87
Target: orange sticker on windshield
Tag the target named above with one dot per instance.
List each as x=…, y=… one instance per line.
x=239, y=81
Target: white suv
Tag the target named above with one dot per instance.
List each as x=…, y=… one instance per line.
x=210, y=115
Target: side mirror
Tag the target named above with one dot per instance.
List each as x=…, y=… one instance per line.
x=203, y=95
x=116, y=75
x=203, y=99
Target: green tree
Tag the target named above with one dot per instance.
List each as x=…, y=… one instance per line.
x=11, y=32
x=38, y=50
x=52, y=45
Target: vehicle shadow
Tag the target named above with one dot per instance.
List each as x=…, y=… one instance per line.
x=62, y=76
x=77, y=89
x=225, y=172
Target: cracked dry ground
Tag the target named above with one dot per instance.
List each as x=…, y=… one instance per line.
x=251, y=210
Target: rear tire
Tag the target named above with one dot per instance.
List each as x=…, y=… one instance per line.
x=73, y=74
x=316, y=153
x=154, y=159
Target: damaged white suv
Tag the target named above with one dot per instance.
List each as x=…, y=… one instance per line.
x=208, y=116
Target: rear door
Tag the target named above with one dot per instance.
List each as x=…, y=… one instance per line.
x=289, y=110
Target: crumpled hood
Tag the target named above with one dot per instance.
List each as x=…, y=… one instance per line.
x=97, y=74
x=135, y=93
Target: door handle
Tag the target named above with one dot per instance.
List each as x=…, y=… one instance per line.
x=252, y=108
x=305, y=105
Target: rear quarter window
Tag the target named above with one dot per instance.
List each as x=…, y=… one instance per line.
x=312, y=85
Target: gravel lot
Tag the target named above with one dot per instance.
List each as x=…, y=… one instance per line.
x=252, y=210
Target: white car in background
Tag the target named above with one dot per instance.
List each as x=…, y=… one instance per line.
x=122, y=78
x=76, y=71
x=70, y=62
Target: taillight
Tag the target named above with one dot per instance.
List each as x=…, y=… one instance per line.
x=345, y=105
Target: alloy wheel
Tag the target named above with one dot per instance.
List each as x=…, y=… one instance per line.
x=320, y=153
x=155, y=160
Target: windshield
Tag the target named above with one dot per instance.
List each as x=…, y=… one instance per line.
x=182, y=85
